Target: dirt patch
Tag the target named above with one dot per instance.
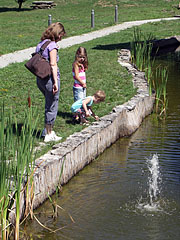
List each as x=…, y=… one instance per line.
x=103, y=4
x=130, y=5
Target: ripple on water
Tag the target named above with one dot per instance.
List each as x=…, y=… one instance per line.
x=158, y=208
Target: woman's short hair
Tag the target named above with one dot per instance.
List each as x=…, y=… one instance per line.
x=53, y=32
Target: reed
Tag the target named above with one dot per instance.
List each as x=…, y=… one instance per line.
x=141, y=49
x=25, y=160
x=6, y=168
x=16, y=165
x=161, y=76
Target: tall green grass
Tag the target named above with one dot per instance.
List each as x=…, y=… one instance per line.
x=161, y=76
x=16, y=164
x=141, y=49
x=7, y=152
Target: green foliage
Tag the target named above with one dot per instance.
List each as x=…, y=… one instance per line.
x=161, y=78
x=141, y=48
x=16, y=162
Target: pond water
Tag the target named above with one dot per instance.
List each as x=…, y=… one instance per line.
x=132, y=191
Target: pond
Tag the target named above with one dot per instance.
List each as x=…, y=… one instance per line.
x=132, y=191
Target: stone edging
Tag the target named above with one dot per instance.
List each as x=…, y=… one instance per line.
x=82, y=147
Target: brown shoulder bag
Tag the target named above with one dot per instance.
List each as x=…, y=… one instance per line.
x=38, y=65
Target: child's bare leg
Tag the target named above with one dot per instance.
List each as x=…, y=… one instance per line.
x=48, y=128
x=90, y=112
x=83, y=118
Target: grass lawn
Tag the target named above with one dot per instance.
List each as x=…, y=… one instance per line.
x=110, y=77
x=104, y=71
x=22, y=29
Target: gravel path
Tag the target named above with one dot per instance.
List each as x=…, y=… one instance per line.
x=22, y=55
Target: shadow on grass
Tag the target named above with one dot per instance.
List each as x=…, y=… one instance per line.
x=156, y=51
x=66, y=115
x=111, y=47
x=5, y=9
x=36, y=133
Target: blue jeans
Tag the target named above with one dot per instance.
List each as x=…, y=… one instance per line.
x=79, y=93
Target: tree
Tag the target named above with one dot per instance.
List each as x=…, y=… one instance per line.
x=20, y=2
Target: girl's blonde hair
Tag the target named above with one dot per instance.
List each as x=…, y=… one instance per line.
x=82, y=51
x=53, y=32
x=100, y=95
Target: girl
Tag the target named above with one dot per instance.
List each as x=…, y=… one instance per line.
x=50, y=88
x=80, y=65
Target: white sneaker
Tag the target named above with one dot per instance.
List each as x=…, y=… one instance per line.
x=44, y=133
x=56, y=138
x=52, y=137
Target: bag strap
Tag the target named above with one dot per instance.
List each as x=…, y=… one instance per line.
x=44, y=46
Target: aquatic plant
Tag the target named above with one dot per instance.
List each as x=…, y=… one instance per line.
x=24, y=160
x=160, y=84
x=7, y=152
x=141, y=49
x=16, y=164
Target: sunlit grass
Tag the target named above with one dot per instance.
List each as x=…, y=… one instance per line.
x=23, y=29
x=104, y=73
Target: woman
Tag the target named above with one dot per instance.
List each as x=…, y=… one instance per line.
x=51, y=87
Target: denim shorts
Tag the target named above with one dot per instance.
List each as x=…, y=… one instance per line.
x=79, y=93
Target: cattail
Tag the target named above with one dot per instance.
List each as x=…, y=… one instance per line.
x=29, y=100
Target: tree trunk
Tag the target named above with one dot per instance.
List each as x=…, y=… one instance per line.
x=20, y=4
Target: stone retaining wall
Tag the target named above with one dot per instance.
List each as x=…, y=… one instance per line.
x=81, y=148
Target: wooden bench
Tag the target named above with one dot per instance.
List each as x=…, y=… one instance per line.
x=43, y=4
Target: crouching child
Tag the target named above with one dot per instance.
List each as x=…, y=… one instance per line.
x=83, y=109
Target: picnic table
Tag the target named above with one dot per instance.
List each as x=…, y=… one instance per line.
x=43, y=4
